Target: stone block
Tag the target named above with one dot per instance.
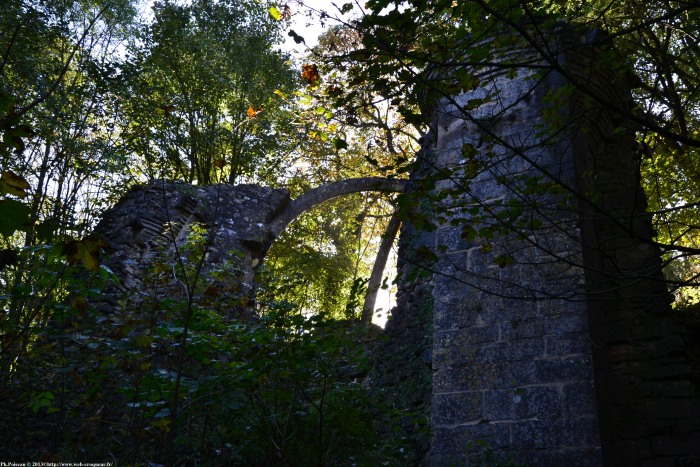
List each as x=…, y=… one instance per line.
x=671, y=409
x=567, y=343
x=570, y=432
x=565, y=369
x=569, y=323
x=657, y=327
x=578, y=398
x=519, y=403
x=521, y=329
x=575, y=457
x=557, y=308
x=456, y=408
x=455, y=445
x=670, y=389
x=525, y=349
x=670, y=445
x=667, y=345
x=490, y=376
x=669, y=371
x=540, y=434
x=451, y=238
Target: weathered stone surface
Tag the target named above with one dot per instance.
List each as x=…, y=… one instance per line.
x=553, y=342
x=515, y=333
x=152, y=223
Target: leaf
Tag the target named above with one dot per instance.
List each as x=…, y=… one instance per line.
x=41, y=400
x=503, y=260
x=219, y=163
x=310, y=74
x=468, y=233
x=297, y=38
x=346, y=8
x=340, y=143
x=46, y=230
x=86, y=250
x=275, y=13
x=6, y=103
x=8, y=257
x=252, y=112
x=14, y=215
x=13, y=184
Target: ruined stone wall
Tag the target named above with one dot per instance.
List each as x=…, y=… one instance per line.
x=553, y=343
x=151, y=224
x=512, y=357
x=648, y=395
x=529, y=270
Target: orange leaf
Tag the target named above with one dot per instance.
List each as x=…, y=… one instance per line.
x=310, y=74
x=219, y=163
x=252, y=112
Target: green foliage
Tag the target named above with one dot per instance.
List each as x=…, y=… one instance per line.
x=183, y=371
x=195, y=75
x=185, y=375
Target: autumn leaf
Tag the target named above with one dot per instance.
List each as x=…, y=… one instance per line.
x=277, y=15
x=310, y=74
x=219, y=163
x=13, y=184
x=86, y=250
x=252, y=112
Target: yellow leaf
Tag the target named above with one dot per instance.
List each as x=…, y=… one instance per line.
x=13, y=184
x=275, y=13
x=86, y=250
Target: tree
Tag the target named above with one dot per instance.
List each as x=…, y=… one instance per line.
x=57, y=153
x=56, y=72
x=52, y=336
x=201, y=84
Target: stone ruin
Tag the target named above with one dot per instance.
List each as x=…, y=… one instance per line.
x=553, y=340
x=543, y=323
x=240, y=223
x=155, y=220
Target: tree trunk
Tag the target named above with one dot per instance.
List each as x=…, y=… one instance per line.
x=375, y=280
